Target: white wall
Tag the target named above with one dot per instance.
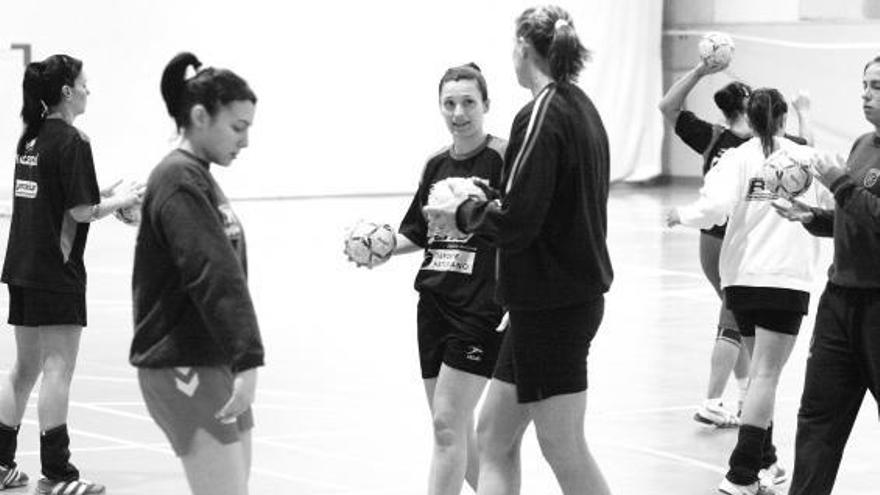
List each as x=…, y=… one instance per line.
x=347, y=89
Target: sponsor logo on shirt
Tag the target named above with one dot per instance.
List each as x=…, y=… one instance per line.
x=758, y=190
x=25, y=189
x=230, y=222
x=871, y=177
x=28, y=160
x=450, y=260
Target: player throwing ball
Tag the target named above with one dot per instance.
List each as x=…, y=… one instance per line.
x=457, y=316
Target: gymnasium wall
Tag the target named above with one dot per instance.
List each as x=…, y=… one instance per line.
x=801, y=46
x=347, y=89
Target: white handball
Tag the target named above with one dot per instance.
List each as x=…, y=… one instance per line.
x=454, y=188
x=369, y=244
x=129, y=216
x=789, y=174
x=716, y=49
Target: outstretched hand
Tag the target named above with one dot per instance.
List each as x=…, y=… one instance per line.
x=672, y=218
x=441, y=218
x=793, y=210
x=828, y=167
x=801, y=102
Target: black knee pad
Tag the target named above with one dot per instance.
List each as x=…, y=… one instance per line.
x=729, y=335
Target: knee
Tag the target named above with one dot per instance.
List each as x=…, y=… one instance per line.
x=491, y=444
x=58, y=368
x=24, y=372
x=560, y=448
x=449, y=428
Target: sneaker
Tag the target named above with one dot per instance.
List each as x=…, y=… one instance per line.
x=729, y=488
x=715, y=415
x=75, y=487
x=12, y=477
x=773, y=475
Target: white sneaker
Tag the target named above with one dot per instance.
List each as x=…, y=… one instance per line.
x=711, y=413
x=773, y=475
x=729, y=488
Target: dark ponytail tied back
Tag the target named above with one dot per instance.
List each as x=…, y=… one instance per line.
x=209, y=87
x=174, y=86
x=766, y=111
x=41, y=90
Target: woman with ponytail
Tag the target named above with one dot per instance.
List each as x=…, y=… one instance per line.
x=56, y=197
x=553, y=263
x=711, y=141
x=196, y=342
x=767, y=265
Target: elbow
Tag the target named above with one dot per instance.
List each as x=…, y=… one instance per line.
x=82, y=214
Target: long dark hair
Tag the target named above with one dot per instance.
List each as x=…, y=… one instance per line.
x=41, y=90
x=550, y=30
x=210, y=87
x=766, y=111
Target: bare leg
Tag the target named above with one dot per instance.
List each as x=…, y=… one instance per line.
x=17, y=386
x=771, y=352
x=559, y=423
x=499, y=436
x=213, y=468
x=60, y=346
x=455, y=396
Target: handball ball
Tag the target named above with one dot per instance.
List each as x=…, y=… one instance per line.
x=370, y=244
x=458, y=188
x=129, y=216
x=716, y=49
x=788, y=174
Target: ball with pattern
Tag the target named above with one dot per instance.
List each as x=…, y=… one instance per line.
x=716, y=49
x=450, y=188
x=370, y=244
x=788, y=174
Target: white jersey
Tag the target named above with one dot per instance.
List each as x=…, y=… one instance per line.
x=760, y=248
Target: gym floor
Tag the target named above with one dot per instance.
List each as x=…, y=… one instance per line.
x=340, y=407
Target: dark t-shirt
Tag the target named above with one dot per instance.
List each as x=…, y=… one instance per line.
x=192, y=306
x=460, y=272
x=54, y=173
x=698, y=135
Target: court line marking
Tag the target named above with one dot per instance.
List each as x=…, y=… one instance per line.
x=669, y=456
x=165, y=450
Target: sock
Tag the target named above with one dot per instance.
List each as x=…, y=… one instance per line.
x=55, y=455
x=745, y=460
x=8, y=444
x=768, y=455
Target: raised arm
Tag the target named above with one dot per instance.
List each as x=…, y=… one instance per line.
x=673, y=101
x=801, y=105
